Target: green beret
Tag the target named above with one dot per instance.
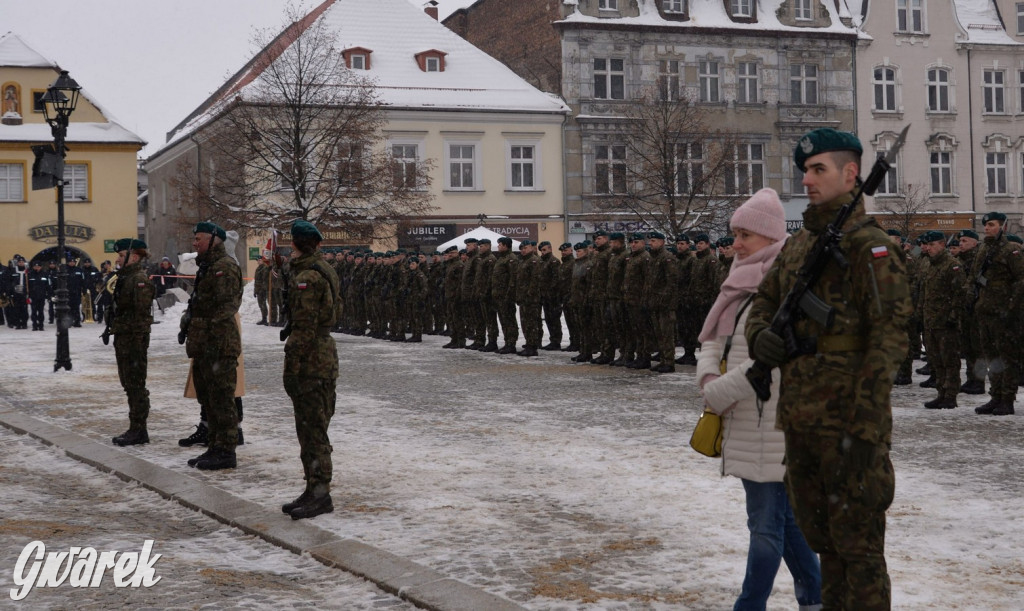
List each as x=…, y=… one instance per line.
x=617, y=235
x=725, y=241
x=484, y=241
x=211, y=228
x=600, y=233
x=507, y=241
x=994, y=216
x=682, y=237
x=895, y=232
x=702, y=237
x=636, y=237
x=128, y=244
x=452, y=248
x=586, y=243
x=954, y=242
x=543, y=244
x=967, y=233
x=932, y=236
x=1012, y=237
x=527, y=243
x=305, y=229
x=470, y=241
x=655, y=235
x=565, y=245
x=580, y=246
x=824, y=140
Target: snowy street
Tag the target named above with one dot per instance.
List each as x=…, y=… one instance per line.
x=555, y=485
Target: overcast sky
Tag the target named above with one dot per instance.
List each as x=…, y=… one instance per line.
x=150, y=62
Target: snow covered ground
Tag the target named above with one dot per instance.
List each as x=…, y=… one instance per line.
x=560, y=486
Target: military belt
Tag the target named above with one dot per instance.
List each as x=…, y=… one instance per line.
x=831, y=343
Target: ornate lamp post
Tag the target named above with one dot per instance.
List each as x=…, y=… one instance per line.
x=59, y=102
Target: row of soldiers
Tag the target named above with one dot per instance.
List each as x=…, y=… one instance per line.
x=967, y=293
x=625, y=302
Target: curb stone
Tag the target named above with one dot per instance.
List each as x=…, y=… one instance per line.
x=410, y=581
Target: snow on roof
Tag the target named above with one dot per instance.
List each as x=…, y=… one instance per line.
x=15, y=53
x=714, y=15
x=980, y=19
x=395, y=31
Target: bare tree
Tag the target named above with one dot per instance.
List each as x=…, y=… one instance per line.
x=905, y=207
x=302, y=137
x=681, y=174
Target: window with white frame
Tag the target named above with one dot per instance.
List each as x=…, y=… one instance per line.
x=673, y=6
x=432, y=64
x=938, y=90
x=609, y=78
x=742, y=8
x=995, y=173
x=76, y=181
x=802, y=10
x=940, y=164
x=404, y=161
x=884, y=81
x=1020, y=81
x=746, y=174
x=12, y=182
x=668, y=80
x=993, y=82
x=523, y=173
x=608, y=5
x=350, y=166
x=710, y=82
x=910, y=16
x=1020, y=18
x=803, y=84
x=890, y=185
x=689, y=168
x=462, y=166
x=746, y=82
x=357, y=61
x=609, y=169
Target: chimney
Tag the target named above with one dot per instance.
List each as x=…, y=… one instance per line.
x=431, y=9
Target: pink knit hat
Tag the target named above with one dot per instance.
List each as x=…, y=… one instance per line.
x=762, y=214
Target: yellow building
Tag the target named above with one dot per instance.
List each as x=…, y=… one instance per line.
x=100, y=169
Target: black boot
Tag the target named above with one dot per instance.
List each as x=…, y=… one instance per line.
x=263, y=321
x=934, y=402
x=973, y=387
x=571, y=348
x=313, y=508
x=1005, y=408
x=902, y=380
x=604, y=359
x=216, y=460
x=507, y=349
x=943, y=403
x=131, y=437
x=664, y=368
x=415, y=339
x=988, y=407
x=193, y=461
x=925, y=371
x=201, y=437
x=581, y=358
x=553, y=345
x=490, y=347
x=241, y=438
x=929, y=383
x=305, y=497
x=527, y=351
x=689, y=358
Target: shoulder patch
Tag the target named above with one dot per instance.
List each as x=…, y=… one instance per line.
x=880, y=251
x=301, y=286
x=219, y=274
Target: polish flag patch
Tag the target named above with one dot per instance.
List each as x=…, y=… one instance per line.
x=880, y=251
x=302, y=286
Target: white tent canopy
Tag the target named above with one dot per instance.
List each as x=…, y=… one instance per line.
x=478, y=233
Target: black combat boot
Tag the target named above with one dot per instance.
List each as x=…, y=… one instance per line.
x=131, y=437
x=973, y=387
x=201, y=437
x=931, y=404
x=571, y=348
x=305, y=497
x=641, y=363
x=902, y=380
x=476, y=345
x=216, y=460
x=263, y=321
x=688, y=358
x=619, y=362
x=581, y=358
x=1005, y=408
x=988, y=407
x=944, y=403
x=664, y=368
x=527, y=351
x=416, y=338
x=553, y=345
x=490, y=347
x=193, y=461
x=507, y=349
x=929, y=383
x=925, y=371
x=604, y=359
x=313, y=507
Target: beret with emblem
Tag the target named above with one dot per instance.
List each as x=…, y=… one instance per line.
x=993, y=216
x=452, y=248
x=600, y=233
x=128, y=244
x=954, y=242
x=211, y=228
x=617, y=235
x=636, y=237
x=932, y=236
x=682, y=237
x=967, y=233
x=470, y=241
x=655, y=235
x=305, y=229
x=484, y=241
x=579, y=246
x=543, y=244
x=565, y=245
x=507, y=241
x=725, y=241
x=702, y=237
x=824, y=140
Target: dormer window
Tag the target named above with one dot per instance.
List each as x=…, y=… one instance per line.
x=357, y=58
x=742, y=8
x=431, y=61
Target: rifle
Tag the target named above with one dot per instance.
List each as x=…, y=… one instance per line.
x=186, y=318
x=111, y=311
x=800, y=299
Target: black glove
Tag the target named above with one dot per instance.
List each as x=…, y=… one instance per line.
x=105, y=336
x=286, y=331
x=181, y=336
x=769, y=348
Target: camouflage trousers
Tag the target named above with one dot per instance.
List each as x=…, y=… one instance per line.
x=417, y=322
x=572, y=324
x=215, y=389
x=943, y=346
x=970, y=347
x=553, y=320
x=664, y=323
x=615, y=314
x=599, y=328
x=506, y=310
x=131, y=351
x=998, y=343
x=458, y=333
x=584, y=340
x=529, y=320
x=839, y=499
x=636, y=341
x=313, y=401
x=469, y=311
x=687, y=327
x=487, y=321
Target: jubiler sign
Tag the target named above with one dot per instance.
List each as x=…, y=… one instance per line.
x=74, y=233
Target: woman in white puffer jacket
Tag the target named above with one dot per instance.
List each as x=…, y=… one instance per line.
x=752, y=448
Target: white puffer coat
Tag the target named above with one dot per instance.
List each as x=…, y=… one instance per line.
x=752, y=448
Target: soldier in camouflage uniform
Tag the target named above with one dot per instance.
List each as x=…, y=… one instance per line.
x=528, y=296
x=660, y=297
x=597, y=296
x=129, y=321
x=417, y=293
x=687, y=324
x=435, y=276
x=452, y=296
x=311, y=366
x=578, y=301
x=970, y=334
x=998, y=278
x=725, y=256
x=943, y=291
x=487, y=317
x=214, y=341
x=568, y=262
x=906, y=367
x=703, y=289
x=615, y=306
x=503, y=294
x=834, y=400
x=636, y=342
x=550, y=295
x=469, y=309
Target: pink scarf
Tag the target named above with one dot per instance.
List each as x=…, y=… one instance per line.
x=744, y=277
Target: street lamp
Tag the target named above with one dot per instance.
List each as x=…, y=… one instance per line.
x=59, y=102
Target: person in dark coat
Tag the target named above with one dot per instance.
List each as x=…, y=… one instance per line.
x=39, y=290
x=164, y=276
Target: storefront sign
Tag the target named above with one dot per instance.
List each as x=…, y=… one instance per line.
x=74, y=233
x=588, y=227
x=516, y=231
x=426, y=236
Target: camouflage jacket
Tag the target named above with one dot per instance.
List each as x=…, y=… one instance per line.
x=841, y=389
x=616, y=274
x=703, y=287
x=636, y=276
x=133, y=301
x=417, y=289
x=453, y=280
x=565, y=279
x=686, y=262
x=661, y=290
x=1003, y=271
x=580, y=277
x=212, y=332
x=260, y=284
x=314, y=307
x=503, y=277
x=528, y=278
x=549, y=278
x=943, y=291
x=598, y=289
x=482, y=282
x=470, y=267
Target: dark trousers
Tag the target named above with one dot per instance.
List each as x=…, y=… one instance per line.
x=131, y=351
x=553, y=320
x=38, y=316
x=215, y=390
x=313, y=401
